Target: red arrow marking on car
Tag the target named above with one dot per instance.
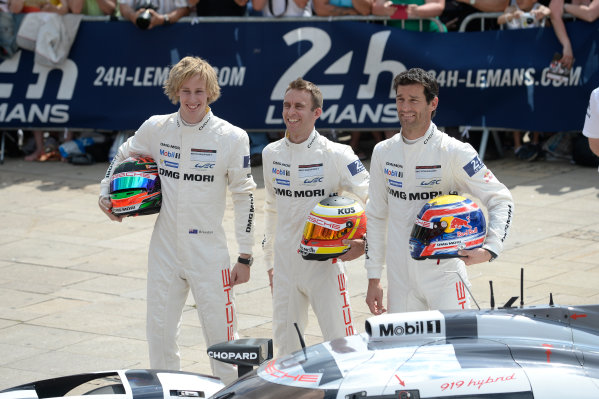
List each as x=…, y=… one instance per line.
x=548, y=351
x=400, y=381
x=576, y=316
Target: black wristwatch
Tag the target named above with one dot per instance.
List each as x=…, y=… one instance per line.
x=493, y=254
x=248, y=262
x=167, y=20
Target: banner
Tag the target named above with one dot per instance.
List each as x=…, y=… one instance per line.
x=113, y=77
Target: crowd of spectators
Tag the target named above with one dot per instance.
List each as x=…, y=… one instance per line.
x=418, y=15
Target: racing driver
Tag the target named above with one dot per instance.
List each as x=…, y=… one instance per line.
x=198, y=156
x=299, y=171
x=408, y=170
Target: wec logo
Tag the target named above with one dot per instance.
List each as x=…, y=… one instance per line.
x=313, y=180
x=204, y=165
x=430, y=182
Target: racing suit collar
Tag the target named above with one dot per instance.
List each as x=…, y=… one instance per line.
x=431, y=129
x=197, y=126
x=306, y=144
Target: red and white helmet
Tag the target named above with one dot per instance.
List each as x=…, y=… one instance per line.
x=332, y=220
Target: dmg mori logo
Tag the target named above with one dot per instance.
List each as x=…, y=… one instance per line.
x=43, y=112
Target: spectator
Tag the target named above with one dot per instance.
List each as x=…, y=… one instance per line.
x=147, y=14
x=424, y=163
x=46, y=146
x=307, y=163
x=418, y=11
x=331, y=8
x=93, y=7
x=557, y=12
x=528, y=151
x=283, y=8
x=188, y=250
x=457, y=10
x=522, y=14
x=219, y=8
x=27, y=6
x=586, y=12
x=40, y=153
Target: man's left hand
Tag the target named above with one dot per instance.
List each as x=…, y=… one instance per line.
x=474, y=256
x=356, y=249
x=240, y=274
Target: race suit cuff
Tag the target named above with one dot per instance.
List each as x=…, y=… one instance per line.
x=104, y=188
x=245, y=249
x=373, y=273
x=493, y=253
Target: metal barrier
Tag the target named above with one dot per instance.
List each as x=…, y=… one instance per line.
x=483, y=16
x=365, y=18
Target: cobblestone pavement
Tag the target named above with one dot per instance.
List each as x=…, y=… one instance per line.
x=72, y=283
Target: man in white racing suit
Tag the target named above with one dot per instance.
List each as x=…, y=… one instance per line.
x=299, y=171
x=198, y=155
x=408, y=170
x=591, y=122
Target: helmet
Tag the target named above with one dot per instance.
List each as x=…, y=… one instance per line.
x=135, y=187
x=445, y=225
x=332, y=220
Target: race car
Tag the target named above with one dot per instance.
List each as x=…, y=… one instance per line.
x=544, y=352
x=526, y=352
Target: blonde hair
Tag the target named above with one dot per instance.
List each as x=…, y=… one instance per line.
x=187, y=68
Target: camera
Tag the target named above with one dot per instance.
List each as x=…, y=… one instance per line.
x=527, y=20
x=143, y=20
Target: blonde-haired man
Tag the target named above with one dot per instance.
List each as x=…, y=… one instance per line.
x=198, y=155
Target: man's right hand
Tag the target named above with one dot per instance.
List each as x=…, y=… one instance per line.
x=374, y=297
x=106, y=207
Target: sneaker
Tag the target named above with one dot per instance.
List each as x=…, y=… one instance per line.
x=528, y=152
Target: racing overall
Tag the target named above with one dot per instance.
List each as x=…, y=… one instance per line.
x=403, y=178
x=188, y=249
x=296, y=178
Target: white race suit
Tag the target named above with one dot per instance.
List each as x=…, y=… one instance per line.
x=296, y=178
x=404, y=176
x=188, y=248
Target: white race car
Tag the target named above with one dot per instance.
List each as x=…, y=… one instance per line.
x=532, y=352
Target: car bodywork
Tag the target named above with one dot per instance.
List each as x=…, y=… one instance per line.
x=533, y=352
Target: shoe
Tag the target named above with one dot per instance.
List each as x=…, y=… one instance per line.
x=528, y=152
x=49, y=156
x=82, y=159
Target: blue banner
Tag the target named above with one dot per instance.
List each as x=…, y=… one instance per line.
x=114, y=75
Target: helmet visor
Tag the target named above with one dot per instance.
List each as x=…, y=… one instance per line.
x=425, y=232
x=144, y=181
x=315, y=232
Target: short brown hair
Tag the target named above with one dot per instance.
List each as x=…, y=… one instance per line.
x=187, y=68
x=418, y=76
x=301, y=84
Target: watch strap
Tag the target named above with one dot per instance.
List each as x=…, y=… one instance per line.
x=246, y=261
